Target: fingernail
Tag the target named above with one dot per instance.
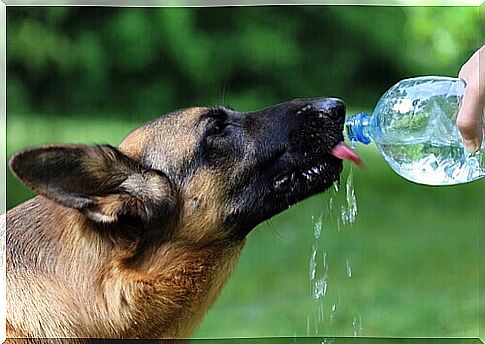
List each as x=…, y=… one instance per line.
x=471, y=146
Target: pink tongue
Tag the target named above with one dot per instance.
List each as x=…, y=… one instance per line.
x=344, y=152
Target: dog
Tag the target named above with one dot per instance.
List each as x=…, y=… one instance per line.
x=136, y=241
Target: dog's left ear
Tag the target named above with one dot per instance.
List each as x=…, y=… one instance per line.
x=100, y=181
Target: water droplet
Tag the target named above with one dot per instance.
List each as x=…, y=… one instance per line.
x=335, y=186
x=320, y=315
x=332, y=313
x=320, y=284
x=349, y=212
x=317, y=227
x=313, y=262
x=325, y=265
x=320, y=288
x=357, y=325
x=348, y=268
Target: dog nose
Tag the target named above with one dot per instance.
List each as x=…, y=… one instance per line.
x=333, y=107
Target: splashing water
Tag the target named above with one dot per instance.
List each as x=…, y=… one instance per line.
x=348, y=268
x=317, y=227
x=349, y=212
x=308, y=326
x=333, y=310
x=339, y=212
x=313, y=262
x=320, y=287
x=357, y=325
x=335, y=187
x=317, y=231
x=319, y=284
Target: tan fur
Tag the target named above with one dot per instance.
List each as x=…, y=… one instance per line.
x=176, y=133
x=66, y=279
x=203, y=208
x=133, y=143
x=173, y=288
x=137, y=241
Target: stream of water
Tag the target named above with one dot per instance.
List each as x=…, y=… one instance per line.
x=338, y=213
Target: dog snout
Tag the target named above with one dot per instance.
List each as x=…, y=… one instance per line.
x=332, y=108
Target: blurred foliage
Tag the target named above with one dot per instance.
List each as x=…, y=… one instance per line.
x=146, y=61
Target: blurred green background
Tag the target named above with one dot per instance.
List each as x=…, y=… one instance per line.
x=92, y=74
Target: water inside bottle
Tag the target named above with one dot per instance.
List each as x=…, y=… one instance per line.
x=415, y=128
x=433, y=164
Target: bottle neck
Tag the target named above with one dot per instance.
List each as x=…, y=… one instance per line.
x=357, y=128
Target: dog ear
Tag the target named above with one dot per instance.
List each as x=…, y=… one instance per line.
x=100, y=181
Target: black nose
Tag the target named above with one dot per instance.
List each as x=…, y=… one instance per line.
x=332, y=107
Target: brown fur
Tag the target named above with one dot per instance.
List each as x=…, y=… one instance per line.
x=72, y=272
x=176, y=290
x=137, y=241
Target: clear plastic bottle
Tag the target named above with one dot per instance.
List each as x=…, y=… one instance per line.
x=414, y=127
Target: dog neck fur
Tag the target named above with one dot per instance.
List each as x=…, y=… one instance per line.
x=67, y=268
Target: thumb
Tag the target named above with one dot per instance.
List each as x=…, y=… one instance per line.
x=468, y=120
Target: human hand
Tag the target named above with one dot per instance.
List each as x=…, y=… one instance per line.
x=470, y=117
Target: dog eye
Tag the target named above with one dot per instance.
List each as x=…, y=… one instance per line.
x=215, y=127
x=216, y=122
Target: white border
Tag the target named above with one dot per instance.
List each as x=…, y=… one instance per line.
x=146, y=3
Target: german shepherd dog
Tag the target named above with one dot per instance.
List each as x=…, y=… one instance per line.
x=137, y=241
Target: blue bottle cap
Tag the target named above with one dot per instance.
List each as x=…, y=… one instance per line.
x=355, y=127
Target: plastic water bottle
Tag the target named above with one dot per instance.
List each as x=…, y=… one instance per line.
x=414, y=127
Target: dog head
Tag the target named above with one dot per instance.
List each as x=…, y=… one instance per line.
x=205, y=173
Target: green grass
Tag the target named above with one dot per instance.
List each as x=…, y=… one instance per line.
x=413, y=251
x=414, y=257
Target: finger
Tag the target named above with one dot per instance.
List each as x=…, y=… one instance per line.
x=468, y=120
